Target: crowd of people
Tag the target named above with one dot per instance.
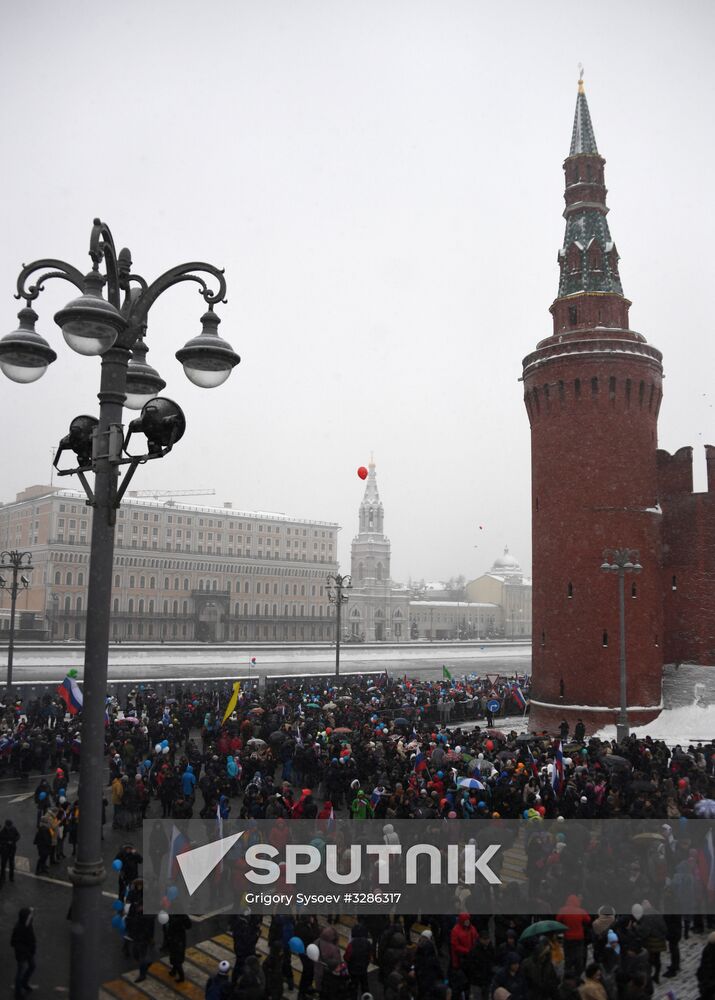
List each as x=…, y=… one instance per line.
x=380, y=747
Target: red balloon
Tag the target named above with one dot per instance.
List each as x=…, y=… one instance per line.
x=362, y=472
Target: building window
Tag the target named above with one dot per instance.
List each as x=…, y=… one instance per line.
x=634, y=591
x=673, y=584
x=605, y=638
x=570, y=590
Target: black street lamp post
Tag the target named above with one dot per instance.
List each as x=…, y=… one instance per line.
x=622, y=561
x=337, y=585
x=113, y=327
x=16, y=561
x=52, y=617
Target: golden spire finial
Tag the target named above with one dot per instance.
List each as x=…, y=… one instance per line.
x=580, y=78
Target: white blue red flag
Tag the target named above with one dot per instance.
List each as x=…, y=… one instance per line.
x=70, y=693
x=557, y=778
x=518, y=696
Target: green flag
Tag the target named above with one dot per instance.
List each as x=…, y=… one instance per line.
x=446, y=673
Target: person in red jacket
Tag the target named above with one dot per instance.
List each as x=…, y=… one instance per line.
x=462, y=939
x=576, y=920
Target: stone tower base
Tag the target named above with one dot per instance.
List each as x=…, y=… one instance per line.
x=545, y=716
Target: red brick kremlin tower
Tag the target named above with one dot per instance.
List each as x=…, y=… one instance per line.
x=592, y=392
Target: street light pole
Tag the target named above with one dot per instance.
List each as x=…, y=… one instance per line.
x=113, y=327
x=622, y=561
x=54, y=602
x=336, y=586
x=16, y=561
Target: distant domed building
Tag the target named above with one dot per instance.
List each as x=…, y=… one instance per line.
x=506, y=587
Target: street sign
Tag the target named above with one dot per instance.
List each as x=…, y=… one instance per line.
x=492, y=678
x=494, y=705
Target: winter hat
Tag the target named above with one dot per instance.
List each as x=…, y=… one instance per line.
x=223, y=967
x=427, y=933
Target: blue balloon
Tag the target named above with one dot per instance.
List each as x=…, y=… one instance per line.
x=165, y=743
x=117, y=923
x=42, y=796
x=172, y=892
x=118, y=905
x=117, y=865
x=296, y=946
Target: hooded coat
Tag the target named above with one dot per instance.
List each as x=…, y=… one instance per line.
x=575, y=917
x=329, y=953
x=462, y=939
x=358, y=951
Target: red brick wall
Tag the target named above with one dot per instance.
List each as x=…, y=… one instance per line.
x=688, y=559
x=594, y=478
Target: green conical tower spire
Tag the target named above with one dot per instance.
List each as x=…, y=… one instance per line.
x=588, y=258
x=582, y=138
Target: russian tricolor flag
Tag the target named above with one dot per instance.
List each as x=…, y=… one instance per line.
x=557, y=778
x=178, y=844
x=420, y=763
x=69, y=692
x=518, y=696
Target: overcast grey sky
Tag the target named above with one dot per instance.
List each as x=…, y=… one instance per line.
x=382, y=182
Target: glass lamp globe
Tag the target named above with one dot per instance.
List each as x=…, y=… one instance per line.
x=208, y=359
x=24, y=354
x=143, y=381
x=90, y=324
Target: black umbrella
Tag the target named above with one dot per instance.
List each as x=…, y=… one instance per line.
x=612, y=760
x=401, y=722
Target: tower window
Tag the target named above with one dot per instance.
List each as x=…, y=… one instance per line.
x=612, y=388
x=605, y=638
x=634, y=590
x=656, y=638
x=673, y=584
x=570, y=591
x=577, y=388
x=628, y=392
x=573, y=315
x=537, y=504
x=641, y=393
x=562, y=394
x=594, y=386
x=543, y=639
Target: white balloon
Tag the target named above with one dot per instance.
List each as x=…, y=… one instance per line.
x=157, y=748
x=165, y=750
x=637, y=911
x=163, y=917
x=313, y=952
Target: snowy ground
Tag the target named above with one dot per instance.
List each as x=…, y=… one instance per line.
x=689, y=713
